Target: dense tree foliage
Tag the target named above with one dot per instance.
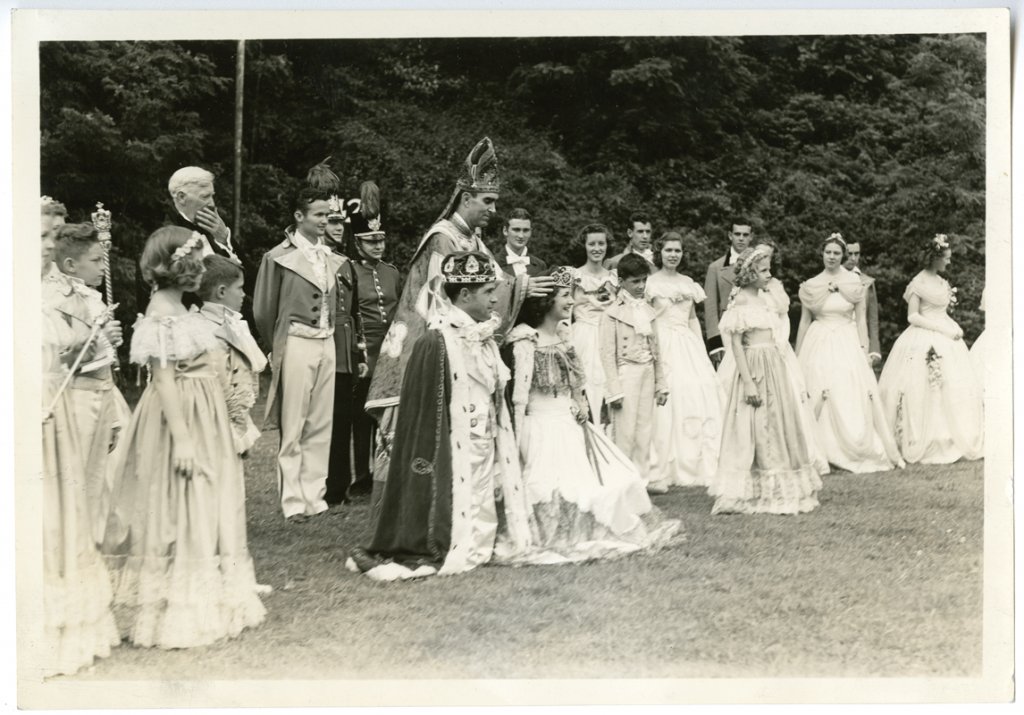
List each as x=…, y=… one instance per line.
x=878, y=137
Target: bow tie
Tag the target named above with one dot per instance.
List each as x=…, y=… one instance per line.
x=514, y=259
x=637, y=310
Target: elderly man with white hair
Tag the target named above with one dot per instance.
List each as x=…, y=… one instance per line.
x=191, y=190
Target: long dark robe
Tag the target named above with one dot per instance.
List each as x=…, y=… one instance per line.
x=412, y=515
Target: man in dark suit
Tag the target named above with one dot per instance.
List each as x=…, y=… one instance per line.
x=719, y=283
x=514, y=260
x=640, y=234
x=192, y=192
x=871, y=305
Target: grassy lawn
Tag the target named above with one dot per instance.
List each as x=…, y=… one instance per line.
x=884, y=579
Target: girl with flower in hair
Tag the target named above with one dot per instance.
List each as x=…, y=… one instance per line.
x=765, y=464
x=832, y=348
x=928, y=385
x=587, y=497
x=182, y=570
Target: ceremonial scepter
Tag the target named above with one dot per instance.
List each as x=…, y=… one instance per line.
x=96, y=327
x=101, y=221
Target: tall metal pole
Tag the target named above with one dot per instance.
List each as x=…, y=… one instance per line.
x=239, y=95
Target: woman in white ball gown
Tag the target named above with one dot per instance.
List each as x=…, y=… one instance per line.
x=588, y=499
x=687, y=430
x=928, y=385
x=593, y=291
x=832, y=348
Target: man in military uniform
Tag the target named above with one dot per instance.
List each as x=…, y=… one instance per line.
x=379, y=284
x=350, y=352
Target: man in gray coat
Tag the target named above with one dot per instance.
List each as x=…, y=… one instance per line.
x=853, y=264
x=719, y=283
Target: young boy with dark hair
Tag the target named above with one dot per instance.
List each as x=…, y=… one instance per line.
x=222, y=292
x=634, y=374
x=100, y=409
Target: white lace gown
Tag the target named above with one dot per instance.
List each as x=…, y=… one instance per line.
x=852, y=428
x=181, y=564
x=929, y=388
x=591, y=296
x=688, y=429
x=587, y=497
x=78, y=625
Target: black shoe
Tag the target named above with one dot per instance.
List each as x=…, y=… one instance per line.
x=361, y=488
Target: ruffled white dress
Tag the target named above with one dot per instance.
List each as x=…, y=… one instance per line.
x=78, y=624
x=588, y=499
x=765, y=465
x=688, y=429
x=183, y=572
x=852, y=428
x=591, y=296
x=929, y=388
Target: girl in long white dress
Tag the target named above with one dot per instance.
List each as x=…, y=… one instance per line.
x=832, y=348
x=593, y=291
x=765, y=465
x=183, y=573
x=928, y=385
x=687, y=430
x=588, y=499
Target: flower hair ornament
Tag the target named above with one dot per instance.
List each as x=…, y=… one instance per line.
x=836, y=236
x=194, y=241
x=745, y=264
x=940, y=243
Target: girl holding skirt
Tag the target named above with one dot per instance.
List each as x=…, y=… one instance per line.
x=765, y=464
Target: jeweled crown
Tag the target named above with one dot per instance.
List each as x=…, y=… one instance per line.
x=467, y=267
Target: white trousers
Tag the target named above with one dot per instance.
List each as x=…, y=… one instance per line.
x=307, y=409
x=633, y=422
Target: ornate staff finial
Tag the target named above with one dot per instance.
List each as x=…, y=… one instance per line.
x=101, y=221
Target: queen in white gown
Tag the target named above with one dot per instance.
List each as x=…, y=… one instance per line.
x=831, y=347
x=688, y=429
x=593, y=291
x=928, y=385
x=588, y=499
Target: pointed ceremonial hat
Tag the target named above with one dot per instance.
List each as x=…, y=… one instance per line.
x=480, y=172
